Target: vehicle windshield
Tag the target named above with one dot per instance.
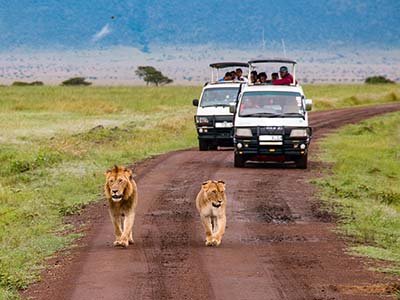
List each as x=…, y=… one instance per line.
x=219, y=96
x=271, y=104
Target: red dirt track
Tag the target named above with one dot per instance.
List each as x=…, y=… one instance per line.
x=276, y=246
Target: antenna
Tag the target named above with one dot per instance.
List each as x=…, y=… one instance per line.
x=284, y=48
x=263, y=40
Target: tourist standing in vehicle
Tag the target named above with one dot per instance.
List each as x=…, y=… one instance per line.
x=227, y=77
x=253, y=76
x=286, y=77
x=262, y=77
x=239, y=75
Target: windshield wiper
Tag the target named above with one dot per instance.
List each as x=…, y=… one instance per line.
x=212, y=105
x=270, y=115
x=293, y=114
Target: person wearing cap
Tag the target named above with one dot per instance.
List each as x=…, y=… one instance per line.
x=286, y=77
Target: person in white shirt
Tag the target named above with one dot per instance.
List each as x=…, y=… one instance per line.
x=239, y=75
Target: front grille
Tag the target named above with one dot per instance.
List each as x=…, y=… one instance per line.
x=271, y=130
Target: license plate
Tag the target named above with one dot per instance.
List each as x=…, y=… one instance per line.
x=223, y=125
x=270, y=138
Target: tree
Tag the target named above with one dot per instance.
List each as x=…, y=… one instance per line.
x=150, y=75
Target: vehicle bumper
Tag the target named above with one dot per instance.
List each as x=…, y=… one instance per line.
x=222, y=135
x=219, y=136
x=290, y=149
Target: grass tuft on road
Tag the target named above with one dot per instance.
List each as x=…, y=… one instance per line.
x=363, y=188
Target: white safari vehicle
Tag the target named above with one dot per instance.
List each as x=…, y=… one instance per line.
x=271, y=121
x=213, y=118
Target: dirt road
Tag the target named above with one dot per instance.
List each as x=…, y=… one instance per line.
x=276, y=246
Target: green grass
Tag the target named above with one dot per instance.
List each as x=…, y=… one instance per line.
x=363, y=188
x=338, y=96
x=56, y=142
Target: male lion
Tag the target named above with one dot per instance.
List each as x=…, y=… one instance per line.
x=121, y=193
x=211, y=204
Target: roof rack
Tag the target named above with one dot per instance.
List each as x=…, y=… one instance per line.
x=274, y=60
x=221, y=65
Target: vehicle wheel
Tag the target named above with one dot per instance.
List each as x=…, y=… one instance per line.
x=302, y=162
x=239, y=161
x=203, y=145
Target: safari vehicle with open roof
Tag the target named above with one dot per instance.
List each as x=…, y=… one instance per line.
x=214, y=121
x=271, y=121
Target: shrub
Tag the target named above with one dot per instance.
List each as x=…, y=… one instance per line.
x=22, y=83
x=76, y=81
x=377, y=80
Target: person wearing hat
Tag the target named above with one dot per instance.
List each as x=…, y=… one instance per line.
x=286, y=77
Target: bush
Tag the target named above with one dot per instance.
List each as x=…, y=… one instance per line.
x=22, y=83
x=37, y=83
x=76, y=81
x=378, y=80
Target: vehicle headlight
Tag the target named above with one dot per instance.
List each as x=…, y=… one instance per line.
x=243, y=132
x=202, y=120
x=299, y=133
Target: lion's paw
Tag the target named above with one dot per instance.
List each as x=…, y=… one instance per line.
x=216, y=242
x=131, y=241
x=209, y=242
x=120, y=243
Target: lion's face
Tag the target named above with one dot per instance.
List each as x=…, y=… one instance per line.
x=118, y=183
x=215, y=192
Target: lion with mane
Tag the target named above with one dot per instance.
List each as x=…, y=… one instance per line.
x=121, y=192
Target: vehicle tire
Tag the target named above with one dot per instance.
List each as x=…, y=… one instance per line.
x=239, y=161
x=302, y=162
x=203, y=145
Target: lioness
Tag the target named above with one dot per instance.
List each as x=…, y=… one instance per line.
x=121, y=192
x=211, y=204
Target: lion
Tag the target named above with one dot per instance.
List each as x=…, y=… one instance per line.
x=211, y=204
x=121, y=192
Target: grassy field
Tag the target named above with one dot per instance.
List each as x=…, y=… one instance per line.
x=363, y=188
x=338, y=96
x=56, y=142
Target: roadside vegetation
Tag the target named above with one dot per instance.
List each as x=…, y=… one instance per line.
x=332, y=96
x=56, y=142
x=362, y=187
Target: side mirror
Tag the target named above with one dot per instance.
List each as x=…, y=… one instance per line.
x=308, y=103
x=232, y=108
x=195, y=102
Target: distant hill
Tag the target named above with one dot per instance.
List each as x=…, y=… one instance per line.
x=240, y=24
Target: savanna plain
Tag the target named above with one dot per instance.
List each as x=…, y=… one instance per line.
x=56, y=143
